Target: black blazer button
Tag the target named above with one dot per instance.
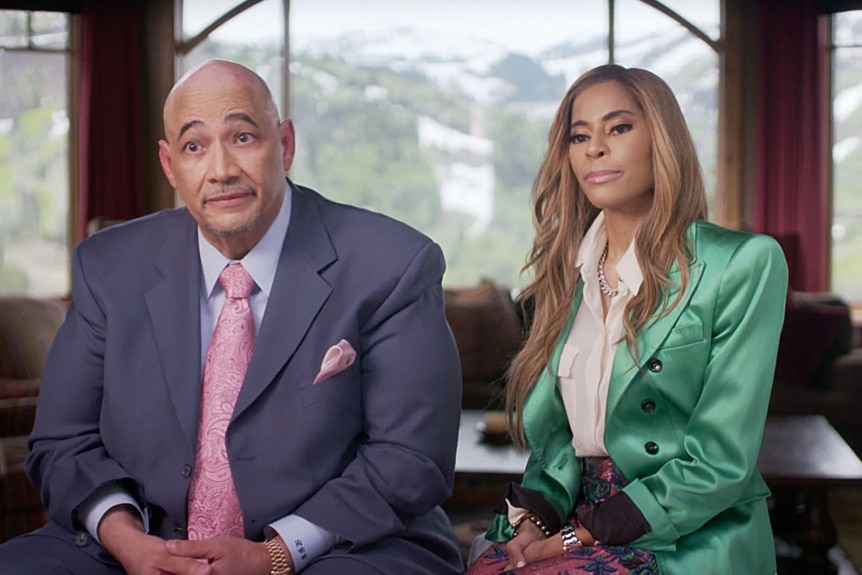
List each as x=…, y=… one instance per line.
x=648, y=406
x=180, y=532
x=651, y=447
x=654, y=365
x=81, y=539
x=187, y=470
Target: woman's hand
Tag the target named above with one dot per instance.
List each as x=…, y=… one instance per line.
x=544, y=548
x=528, y=535
x=540, y=547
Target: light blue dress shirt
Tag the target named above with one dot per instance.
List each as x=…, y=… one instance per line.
x=305, y=540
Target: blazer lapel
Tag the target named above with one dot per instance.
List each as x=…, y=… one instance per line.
x=298, y=293
x=174, y=309
x=655, y=332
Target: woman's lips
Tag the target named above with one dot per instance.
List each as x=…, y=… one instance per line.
x=603, y=176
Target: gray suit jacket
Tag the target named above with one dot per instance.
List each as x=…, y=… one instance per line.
x=367, y=454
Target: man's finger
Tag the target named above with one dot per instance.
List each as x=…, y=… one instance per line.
x=188, y=548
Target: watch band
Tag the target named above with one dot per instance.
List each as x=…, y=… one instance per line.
x=570, y=539
x=277, y=558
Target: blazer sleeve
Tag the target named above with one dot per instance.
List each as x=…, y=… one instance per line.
x=411, y=382
x=67, y=460
x=724, y=429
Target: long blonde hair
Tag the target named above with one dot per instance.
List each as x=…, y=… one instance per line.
x=562, y=214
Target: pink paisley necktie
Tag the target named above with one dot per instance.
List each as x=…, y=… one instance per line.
x=213, y=503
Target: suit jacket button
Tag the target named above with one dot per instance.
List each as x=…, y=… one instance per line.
x=187, y=470
x=648, y=406
x=81, y=539
x=654, y=365
x=180, y=532
x=651, y=447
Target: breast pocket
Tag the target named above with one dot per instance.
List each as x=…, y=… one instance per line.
x=684, y=335
x=331, y=387
x=566, y=368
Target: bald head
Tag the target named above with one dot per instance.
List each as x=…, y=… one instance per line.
x=221, y=79
x=226, y=153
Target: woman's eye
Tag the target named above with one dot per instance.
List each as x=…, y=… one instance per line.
x=621, y=128
x=577, y=139
x=192, y=147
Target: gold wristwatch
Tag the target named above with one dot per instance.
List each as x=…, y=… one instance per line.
x=277, y=558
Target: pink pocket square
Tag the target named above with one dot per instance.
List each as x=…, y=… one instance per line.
x=337, y=358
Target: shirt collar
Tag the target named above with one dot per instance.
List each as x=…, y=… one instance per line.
x=261, y=262
x=590, y=250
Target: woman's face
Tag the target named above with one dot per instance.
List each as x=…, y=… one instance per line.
x=610, y=150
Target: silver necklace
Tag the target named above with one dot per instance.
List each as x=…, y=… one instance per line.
x=600, y=272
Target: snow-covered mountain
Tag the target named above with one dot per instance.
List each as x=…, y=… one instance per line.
x=488, y=72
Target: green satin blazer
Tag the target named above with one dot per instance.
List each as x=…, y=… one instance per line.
x=707, y=367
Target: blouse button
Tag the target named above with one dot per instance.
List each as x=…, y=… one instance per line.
x=654, y=365
x=648, y=406
x=651, y=447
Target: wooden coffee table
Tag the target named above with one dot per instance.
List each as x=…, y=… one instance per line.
x=801, y=458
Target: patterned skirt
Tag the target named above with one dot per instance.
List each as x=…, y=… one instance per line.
x=601, y=478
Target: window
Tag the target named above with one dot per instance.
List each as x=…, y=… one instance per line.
x=253, y=36
x=34, y=153
x=846, y=262
x=437, y=113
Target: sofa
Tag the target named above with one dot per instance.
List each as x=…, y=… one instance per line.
x=819, y=368
x=27, y=328
x=488, y=332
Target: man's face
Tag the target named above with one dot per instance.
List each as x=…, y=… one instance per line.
x=226, y=154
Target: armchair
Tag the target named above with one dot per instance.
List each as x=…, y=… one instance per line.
x=27, y=329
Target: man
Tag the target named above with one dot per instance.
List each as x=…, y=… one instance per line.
x=338, y=441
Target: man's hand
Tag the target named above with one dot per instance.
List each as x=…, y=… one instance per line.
x=122, y=534
x=227, y=555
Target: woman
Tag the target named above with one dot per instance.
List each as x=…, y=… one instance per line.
x=643, y=445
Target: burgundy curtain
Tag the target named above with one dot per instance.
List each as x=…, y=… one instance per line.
x=111, y=111
x=791, y=200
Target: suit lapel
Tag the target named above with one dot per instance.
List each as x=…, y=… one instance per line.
x=653, y=335
x=174, y=309
x=298, y=293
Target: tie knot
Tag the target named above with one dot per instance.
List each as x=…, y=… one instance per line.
x=237, y=283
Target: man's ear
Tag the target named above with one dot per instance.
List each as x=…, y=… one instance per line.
x=288, y=143
x=165, y=159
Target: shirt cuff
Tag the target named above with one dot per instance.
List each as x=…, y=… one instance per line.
x=519, y=497
x=515, y=514
x=615, y=521
x=305, y=540
x=103, y=500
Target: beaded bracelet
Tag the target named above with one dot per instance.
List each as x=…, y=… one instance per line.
x=535, y=520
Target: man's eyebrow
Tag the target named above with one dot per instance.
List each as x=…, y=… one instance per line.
x=188, y=126
x=609, y=116
x=241, y=116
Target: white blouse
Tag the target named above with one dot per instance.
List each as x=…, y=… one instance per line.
x=588, y=353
